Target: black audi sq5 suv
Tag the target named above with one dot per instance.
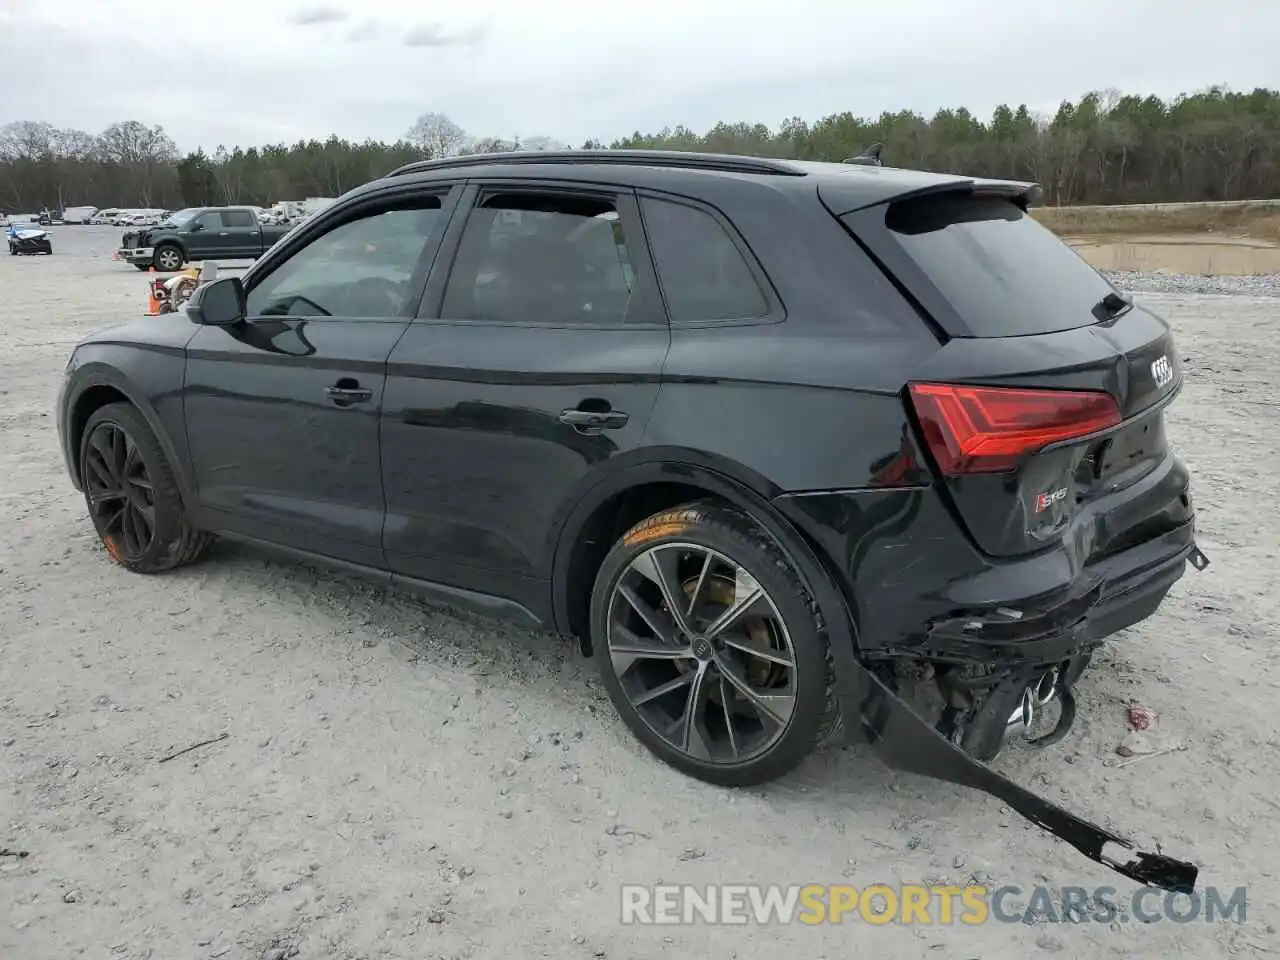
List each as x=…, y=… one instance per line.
x=775, y=440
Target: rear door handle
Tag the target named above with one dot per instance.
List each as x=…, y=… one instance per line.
x=594, y=420
x=347, y=391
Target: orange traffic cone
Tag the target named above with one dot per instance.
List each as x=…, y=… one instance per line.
x=153, y=302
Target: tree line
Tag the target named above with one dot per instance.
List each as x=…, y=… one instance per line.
x=1106, y=147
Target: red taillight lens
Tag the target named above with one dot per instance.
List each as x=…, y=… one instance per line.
x=989, y=429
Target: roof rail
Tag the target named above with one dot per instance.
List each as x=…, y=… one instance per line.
x=720, y=162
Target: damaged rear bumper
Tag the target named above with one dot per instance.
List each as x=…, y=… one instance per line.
x=1114, y=596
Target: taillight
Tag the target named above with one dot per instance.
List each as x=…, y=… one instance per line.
x=989, y=429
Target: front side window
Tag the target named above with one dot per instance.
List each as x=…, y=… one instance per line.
x=237, y=218
x=542, y=258
x=209, y=221
x=361, y=268
x=702, y=272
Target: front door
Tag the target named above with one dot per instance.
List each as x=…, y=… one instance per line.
x=282, y=410
x=542, y=361
x=208, y=238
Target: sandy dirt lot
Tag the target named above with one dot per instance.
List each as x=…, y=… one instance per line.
x=400, y=782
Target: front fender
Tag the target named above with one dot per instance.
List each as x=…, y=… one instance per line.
x=160, y=403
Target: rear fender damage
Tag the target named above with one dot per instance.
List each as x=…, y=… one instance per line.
x=904, y=741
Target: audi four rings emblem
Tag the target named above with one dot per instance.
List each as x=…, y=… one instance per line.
x=1162, y=370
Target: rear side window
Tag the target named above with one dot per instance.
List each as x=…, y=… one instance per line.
x=543, y=258
x=700, y=268
x=1000, y=270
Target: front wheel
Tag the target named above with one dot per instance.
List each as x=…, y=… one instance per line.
x=132, y=494
x=711, y=647
x=168, y=258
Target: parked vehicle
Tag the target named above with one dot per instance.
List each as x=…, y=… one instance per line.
x=105, y=217
x=767, y=436
x=25, y=240
x=200, y=233
x=79, y=215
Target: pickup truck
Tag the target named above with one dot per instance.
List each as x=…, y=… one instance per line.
x=200, y=233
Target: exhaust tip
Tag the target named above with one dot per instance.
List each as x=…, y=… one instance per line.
x=1025, y=715
x=1047, y=687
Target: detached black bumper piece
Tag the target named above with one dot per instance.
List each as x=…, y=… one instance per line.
x=906, y=741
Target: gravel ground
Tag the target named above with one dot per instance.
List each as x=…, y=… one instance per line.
x=399, y=782
x=1261, y=286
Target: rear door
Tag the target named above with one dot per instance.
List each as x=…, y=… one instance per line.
x=536, y=358
x=1079, y=447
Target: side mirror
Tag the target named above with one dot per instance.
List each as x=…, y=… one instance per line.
x=218, y=304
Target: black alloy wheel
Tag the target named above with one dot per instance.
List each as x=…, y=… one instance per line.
x=710, y=647
x=132, y=494
x=120, y=493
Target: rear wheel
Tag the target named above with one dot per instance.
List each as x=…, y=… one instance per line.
x=132, y=494
x=711, y=647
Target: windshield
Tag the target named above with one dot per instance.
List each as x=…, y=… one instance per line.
x=182, y=217
x=1001, y=271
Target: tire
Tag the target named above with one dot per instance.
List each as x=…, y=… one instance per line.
x=801, y=717
x=119, y=451
x=168, y=258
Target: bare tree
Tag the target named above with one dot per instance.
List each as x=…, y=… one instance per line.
x=436, y=135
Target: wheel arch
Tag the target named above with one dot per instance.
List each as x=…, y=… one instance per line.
x=629, y=494
x=98, y=385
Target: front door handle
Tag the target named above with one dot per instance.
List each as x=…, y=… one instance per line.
x=347, y=392
x=592, y=421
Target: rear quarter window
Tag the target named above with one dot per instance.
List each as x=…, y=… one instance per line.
x=1003, y=273
x=702, y=272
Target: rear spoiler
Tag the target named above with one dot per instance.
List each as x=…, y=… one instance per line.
x=1023, y=194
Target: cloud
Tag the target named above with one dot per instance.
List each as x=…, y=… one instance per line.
x=369, y=73
x=435, y=35
x=365, y=31
x=311, y=16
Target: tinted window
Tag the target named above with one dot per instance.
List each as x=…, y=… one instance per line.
x=1003, y=272
x=543, y=259
x=701, y=270
x=362, y=268
x=209, y=221
x=237, y=218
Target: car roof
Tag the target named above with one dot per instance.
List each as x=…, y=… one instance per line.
x=844, y=187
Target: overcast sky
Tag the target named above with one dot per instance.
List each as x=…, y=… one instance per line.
x=278, y=70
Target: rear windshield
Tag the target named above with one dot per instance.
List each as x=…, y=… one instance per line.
x=1000, y=270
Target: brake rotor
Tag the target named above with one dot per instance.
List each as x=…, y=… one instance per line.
x=722, y=591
